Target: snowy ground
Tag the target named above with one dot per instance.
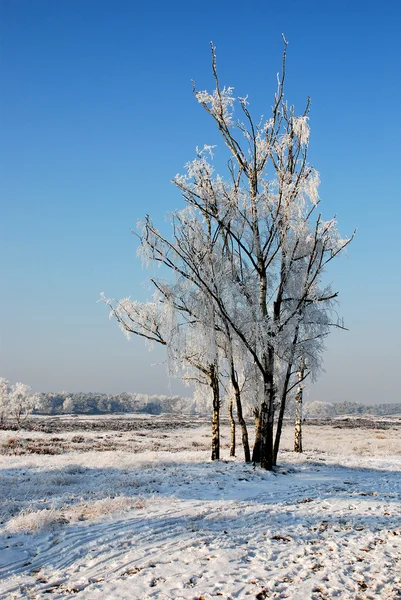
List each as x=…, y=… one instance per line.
x=144, y=514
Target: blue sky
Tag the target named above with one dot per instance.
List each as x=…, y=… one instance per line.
x=97, y=115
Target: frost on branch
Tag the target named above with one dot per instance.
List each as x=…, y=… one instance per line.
x=146, y=319
x=301, y=128
x=220, y=104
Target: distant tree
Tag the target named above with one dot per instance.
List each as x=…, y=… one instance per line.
x=68, y=405
x=152, y=408
x=318, y=409
x=17, y=401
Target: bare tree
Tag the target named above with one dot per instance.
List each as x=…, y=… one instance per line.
x=268, y=224
x=248, y=256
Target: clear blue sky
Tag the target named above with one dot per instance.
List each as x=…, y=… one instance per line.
x=97, y=116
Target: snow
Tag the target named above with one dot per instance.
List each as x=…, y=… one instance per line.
x=139, y=523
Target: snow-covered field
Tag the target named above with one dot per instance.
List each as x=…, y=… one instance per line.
x=140, y=514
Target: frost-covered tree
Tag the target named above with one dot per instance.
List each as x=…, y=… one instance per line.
x=267, y=212
x=21, y=402
x=68, y=405
x=318, y=409
x=248, y=255
x=16, y=401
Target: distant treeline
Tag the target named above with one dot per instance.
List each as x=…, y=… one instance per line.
x=95, y=403
x=326, y=409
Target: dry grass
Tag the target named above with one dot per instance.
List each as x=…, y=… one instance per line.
x=57, y=445
x=35, y=520
x=324, y=438
x=24, y=443
x=337, y=441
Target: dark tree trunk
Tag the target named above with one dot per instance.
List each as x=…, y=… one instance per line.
x=263, y=436
x=256, y=445
x=241, y=420
x=283, y=401
x=232, y=427
x=279, y=430
x=280, y=419
x=266, y=438
x=270, y=438
x=267, y=415
x=214, y=384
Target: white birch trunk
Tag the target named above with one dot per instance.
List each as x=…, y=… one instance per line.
x=298, y=414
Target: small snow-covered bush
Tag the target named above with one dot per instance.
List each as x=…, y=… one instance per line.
x=34, y=520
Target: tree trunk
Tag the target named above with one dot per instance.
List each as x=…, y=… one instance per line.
x=18, y=417
x=267, y=425
x=264, y=436
x=283, y=401
x=298, y=414
x=215, y=434
x=279, y=430
x=241, y=420
x=267, y=416
x=280, y=419
x=214, y=384
x=232, y=427
x=256, y=445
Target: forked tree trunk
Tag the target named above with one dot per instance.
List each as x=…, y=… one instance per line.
x=214, y=384
x=256, y=445
x=241, y=420
x=232, y=427
x=298, y=414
